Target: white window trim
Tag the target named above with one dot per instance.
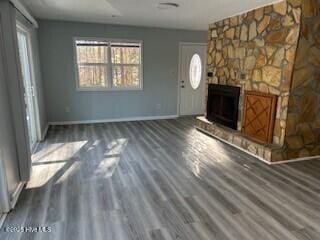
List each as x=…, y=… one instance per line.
x=110, y=86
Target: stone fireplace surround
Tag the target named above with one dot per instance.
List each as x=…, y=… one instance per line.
x=274, y=49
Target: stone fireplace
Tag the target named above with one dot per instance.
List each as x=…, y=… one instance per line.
x=271, y=50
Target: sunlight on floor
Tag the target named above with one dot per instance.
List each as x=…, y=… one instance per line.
x=58, y=161
x=47, y=162
x=55, y=151
x=200, y=144
x=111, y=158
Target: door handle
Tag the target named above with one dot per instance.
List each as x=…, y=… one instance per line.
x=182, y=86
x=32, y=91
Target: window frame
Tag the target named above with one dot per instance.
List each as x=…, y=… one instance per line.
x=195, y=55
x=109, y=84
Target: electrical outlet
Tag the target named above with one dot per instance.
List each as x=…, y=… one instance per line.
x=158, y=106
x=67, y=109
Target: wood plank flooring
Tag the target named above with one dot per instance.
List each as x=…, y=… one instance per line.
x=159, y=180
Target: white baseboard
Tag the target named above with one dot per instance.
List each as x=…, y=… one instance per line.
x=16, y=194
x=44, y=133
x=297, y=159
x=2, y=219
x=42, y=138
x=258, y=157
x=15, y=197
x=34, y=150
x=114, y=120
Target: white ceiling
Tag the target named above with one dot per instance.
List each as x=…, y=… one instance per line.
x=192, y=14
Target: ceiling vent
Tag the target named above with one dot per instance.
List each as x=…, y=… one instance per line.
x=167, y=5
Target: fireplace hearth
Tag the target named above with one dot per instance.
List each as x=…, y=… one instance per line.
x=222, y=105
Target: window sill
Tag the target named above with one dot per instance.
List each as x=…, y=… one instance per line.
x=108, y=89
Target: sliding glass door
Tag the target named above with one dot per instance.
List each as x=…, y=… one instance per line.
x=29, y=95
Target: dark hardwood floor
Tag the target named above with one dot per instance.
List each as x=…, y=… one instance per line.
x=162, y=180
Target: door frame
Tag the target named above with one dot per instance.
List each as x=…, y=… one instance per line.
x=26, y=31
x=181, y=44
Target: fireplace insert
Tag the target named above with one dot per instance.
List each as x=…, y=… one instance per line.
x=222, y=105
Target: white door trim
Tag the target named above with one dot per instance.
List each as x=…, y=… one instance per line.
x=4, y=192
x=26, y=31
x=179, y=70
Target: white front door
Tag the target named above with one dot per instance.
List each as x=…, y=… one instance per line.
x=192, y=79
x=29, y=95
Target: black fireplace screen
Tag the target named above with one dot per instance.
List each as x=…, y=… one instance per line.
x=222, y=105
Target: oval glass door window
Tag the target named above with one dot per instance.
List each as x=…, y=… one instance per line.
x=195, y=71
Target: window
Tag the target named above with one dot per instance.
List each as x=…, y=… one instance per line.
x=92, y=63
x=195, y=71
x=108, y=64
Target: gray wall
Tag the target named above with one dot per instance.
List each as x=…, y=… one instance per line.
x=160, y=64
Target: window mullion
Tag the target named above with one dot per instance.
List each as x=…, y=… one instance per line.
x=109, y=72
